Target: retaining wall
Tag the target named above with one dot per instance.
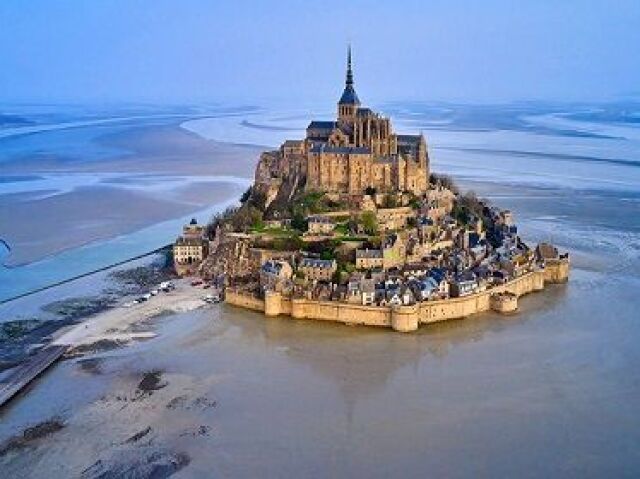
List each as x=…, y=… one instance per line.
x=402, y=318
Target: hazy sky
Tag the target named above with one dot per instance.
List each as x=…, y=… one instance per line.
x=191, y=50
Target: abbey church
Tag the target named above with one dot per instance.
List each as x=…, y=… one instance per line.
x=357, y=152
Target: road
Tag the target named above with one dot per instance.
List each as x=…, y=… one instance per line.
x=29, y=370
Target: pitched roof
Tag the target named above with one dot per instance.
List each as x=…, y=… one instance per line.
x=547, y=251
x=349, y=96
x=409, y=139
x=322, y=125
x=368, y=253
x=317, y=263
x=350, y=150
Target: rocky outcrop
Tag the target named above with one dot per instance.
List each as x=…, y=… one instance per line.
x=278, y=177
x=230, y=258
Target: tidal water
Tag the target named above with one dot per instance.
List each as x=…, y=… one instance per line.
x=552, y=391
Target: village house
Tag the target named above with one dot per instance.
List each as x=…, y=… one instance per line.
x=318, y=269
x=278, y=223
x=353, y=288
x=369, y=258
x=320, y=225
x=368, y=292
x=407, y=297
x=258, y=256
x=393, y=219
x=275, y=275
x=463, y=284
x=190, y=249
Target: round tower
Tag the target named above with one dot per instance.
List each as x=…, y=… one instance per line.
x=272, y=303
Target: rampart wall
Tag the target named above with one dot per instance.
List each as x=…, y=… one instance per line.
x=405, y=318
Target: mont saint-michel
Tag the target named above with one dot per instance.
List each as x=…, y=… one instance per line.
x=349, y=225
x=231, y=247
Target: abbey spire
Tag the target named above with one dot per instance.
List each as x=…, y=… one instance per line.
x=349, y=100
x=349, y=82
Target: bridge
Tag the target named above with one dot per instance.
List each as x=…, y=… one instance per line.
x=27, y=371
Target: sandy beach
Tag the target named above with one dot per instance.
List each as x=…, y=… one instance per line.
x=116, y=324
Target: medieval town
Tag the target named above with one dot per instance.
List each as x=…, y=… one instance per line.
x=350, y=225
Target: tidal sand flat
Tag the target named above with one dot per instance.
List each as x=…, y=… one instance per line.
x=91, y=193
x=48, y=226
x=95, y=200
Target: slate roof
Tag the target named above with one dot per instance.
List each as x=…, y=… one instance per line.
x=351, y=150
x=368, y=253
x=317, y=263
x=364, y=112
x=408, y=139
x=547, y=251
x=349, y=96
x=322, y=125
x=272, y=267
x=189, y=241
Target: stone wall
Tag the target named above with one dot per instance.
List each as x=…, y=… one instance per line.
x=237, y=298
x=405, y=318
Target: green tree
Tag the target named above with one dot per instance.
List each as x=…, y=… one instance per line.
x=369, y=222
x=298, y=221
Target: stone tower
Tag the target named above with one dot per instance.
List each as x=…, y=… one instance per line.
x=349, y=101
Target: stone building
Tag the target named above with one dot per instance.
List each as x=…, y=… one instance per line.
x=275, y=275
x=360, y=150
x=318, y=269
x=356, y=152
x=190, y=249
x=320, y=225
x=369, y=258
x=390, y=219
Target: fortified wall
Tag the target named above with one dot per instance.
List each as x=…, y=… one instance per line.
x=502, y=299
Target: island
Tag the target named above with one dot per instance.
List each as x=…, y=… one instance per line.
x=350, y=225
